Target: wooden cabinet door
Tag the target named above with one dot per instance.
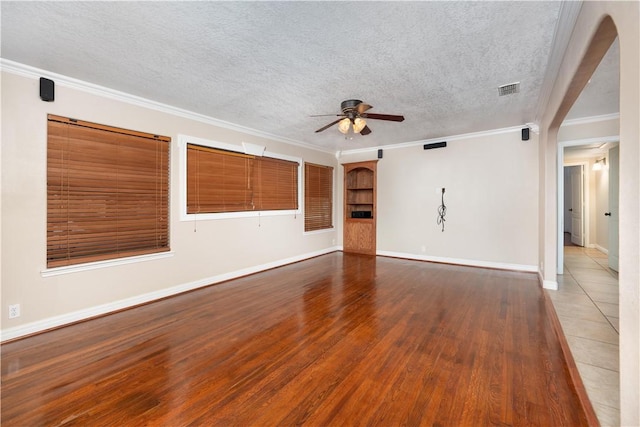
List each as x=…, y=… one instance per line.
x=360, y=236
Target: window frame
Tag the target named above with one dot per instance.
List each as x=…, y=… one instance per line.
x=97, y=260
x=251, y=149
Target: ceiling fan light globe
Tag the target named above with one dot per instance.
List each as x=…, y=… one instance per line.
x=343, y=125
x=359, y=124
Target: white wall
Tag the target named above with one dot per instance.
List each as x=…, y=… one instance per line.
x=491, y=193
x=217, y=249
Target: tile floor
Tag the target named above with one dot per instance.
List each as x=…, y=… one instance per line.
x=587, y=305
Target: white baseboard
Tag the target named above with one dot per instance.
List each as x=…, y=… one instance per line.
x=552, y=285
x=457, y=261
x=601, y=249
x=76, y=316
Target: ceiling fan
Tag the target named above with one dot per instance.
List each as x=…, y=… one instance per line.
x=354, y=113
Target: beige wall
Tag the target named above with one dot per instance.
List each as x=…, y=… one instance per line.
x=625, y=16
x=216, y=248
x=491, y=190
x=576, y=131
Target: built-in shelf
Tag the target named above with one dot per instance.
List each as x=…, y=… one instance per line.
x=360, y=207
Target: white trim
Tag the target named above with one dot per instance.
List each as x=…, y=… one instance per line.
x=76, y=316
x=253, y=149
x=591, y=119
x=324, y=230
x=32, y=72
x=458, y=261
x=49, y=272
x=588, y=141
x=183, y=140
x=551, y=285
x=601, y=249
x=432, y=140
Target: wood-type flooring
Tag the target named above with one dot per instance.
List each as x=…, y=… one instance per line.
x=336, y=340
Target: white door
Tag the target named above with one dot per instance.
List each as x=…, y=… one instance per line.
x=614, y=181
x=577, y=201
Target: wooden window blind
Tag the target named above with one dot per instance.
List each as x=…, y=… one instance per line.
x=107, y=192
x=318, y=197
x=218, y=181
x=224, y=181
x=276, y=186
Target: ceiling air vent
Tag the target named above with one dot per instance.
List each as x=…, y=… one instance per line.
x=509, y=89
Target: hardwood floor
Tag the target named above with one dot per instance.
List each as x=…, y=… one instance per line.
x=341, y=339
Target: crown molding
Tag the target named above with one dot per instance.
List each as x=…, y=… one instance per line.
x=592, y=119
x=93, y=89
x=432, y=140
x=567, y=17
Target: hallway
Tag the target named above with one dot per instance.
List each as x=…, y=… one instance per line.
x=587, y=306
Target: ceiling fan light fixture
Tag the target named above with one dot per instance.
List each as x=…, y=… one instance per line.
x=359, y=124
x=343, y=125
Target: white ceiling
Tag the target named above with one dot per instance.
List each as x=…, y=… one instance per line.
x=595, y=151
x=270, y=65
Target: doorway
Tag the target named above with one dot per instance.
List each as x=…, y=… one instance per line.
x=574, y=201
x=584, y=154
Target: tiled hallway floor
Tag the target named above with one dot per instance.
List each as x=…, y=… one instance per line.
x=587, y=306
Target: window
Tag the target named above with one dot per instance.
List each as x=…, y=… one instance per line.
x=318, y=197
x=107, y=192
x=226, y=181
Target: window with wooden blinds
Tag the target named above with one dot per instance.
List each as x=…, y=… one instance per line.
x=318, y=197
x=225, y=181
x=107, y=192
x=276, y=184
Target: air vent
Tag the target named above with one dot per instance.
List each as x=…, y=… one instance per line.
x=509, y=89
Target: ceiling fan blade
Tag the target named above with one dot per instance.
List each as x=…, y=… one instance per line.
x=362, y=107
x=328, y=126
x=389, y=117
x=365, y=131
x=327, y=115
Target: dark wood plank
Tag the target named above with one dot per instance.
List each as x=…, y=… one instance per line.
x=342, y=339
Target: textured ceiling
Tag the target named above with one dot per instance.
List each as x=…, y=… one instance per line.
x=270, y=65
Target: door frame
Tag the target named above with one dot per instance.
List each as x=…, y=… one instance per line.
x=584, y=200
x=560, y=193
x=614, y=250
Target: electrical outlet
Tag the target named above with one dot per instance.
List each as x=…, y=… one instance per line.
x=14, y=311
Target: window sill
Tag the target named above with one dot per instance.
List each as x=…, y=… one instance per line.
x=243, y=214
x=324, y=230
x=102, y=264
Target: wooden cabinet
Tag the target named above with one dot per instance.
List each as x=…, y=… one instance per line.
x=360, y=207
